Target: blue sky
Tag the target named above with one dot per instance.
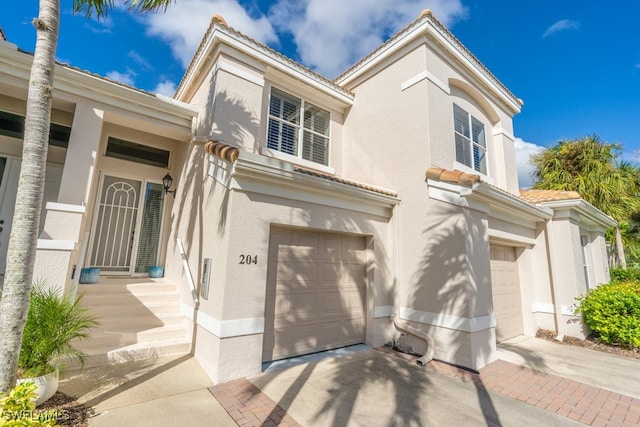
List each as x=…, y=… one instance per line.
x=576, y=64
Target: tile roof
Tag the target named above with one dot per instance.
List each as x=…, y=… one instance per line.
x=231, y=154
x=539, y=196
x=453, y=176
x=346, y=182
x=224, y=151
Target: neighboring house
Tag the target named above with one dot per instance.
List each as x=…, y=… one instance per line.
x=309, y=212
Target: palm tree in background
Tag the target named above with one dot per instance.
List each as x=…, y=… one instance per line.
x=588, y=165
x=21, y=253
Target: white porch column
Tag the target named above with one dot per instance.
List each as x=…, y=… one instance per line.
x=569, y=277
x=64, y=224
x=82, y=155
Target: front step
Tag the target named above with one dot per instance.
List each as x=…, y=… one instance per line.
x=139, y=318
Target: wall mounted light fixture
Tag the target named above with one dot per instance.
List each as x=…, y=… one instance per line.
x=167, y=181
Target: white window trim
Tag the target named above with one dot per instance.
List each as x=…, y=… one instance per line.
x=466, y=169
x=461, y=166
x=297, y=158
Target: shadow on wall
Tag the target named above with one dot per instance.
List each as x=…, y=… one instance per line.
x=448, y=285
x=193, y=216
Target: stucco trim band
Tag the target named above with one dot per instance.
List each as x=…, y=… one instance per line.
x=541, y=307
x=428, y=76
x=465, y=324
x=65, y=207
x=225, y=328
x=56, y=245
x=382, y=311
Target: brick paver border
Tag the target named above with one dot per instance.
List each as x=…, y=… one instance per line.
x=581, y=402
x=249, y=407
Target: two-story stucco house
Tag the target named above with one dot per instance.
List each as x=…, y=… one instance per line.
x=308, y=214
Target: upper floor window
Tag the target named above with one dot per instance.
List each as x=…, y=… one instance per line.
x=471, y=144
x=298, y=128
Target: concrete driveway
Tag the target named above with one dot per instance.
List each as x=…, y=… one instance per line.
x=534, y=382
x=371, y=388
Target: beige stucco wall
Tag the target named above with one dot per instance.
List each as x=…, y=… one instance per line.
x=222, y=224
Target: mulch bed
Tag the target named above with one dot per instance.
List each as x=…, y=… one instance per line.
x=69, y=412
x=590, y=343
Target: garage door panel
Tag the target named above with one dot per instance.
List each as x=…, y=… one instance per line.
x=296, y=274
x=505, y=286
x=315, y=295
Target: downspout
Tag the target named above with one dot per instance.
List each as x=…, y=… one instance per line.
x=400, y=324
x=557, y=310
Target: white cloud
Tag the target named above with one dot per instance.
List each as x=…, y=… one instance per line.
x=184, y=24
x=331, y=35
x=563, y=24
x=166, y=87
x=525, y=170
x=127, y=78
x=140, y=60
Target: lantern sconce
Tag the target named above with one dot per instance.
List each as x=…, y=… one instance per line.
x=167, y=181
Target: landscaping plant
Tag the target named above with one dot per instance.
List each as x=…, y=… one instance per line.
x=612, y=312
x=18, y=410
x=53, y=322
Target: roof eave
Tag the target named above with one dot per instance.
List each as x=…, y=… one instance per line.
x=16, y=63
x=221, y=34
x=585, y=209
x=427, y=24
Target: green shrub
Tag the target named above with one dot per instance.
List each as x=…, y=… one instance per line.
x=17, y=408
x=53, y=323
x=613, y=313
x=624, y=275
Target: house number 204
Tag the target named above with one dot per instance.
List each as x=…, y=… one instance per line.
x=248, y=259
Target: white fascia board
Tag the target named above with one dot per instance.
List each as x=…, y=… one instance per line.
x=500, y=199
x=585, y=209
x=454, y=194
x=85, y=85
x=259, y=174
x=221, y=35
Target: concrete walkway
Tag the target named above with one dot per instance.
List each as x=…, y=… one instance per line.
x=168, y=391
x=534, y=382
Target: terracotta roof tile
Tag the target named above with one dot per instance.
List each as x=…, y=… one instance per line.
x=346, y=182
x=539, y=196
x=230, y=153
x=224, y=151
x=453, y=176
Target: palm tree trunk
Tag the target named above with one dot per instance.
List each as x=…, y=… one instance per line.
x=21, y=254
x=622, y=260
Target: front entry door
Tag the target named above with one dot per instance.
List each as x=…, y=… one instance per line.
x=126, y=232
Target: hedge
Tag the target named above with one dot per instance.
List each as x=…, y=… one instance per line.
x=612, y=312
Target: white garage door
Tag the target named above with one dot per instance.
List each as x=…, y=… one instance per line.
x=505, y=285
x=315, y=293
